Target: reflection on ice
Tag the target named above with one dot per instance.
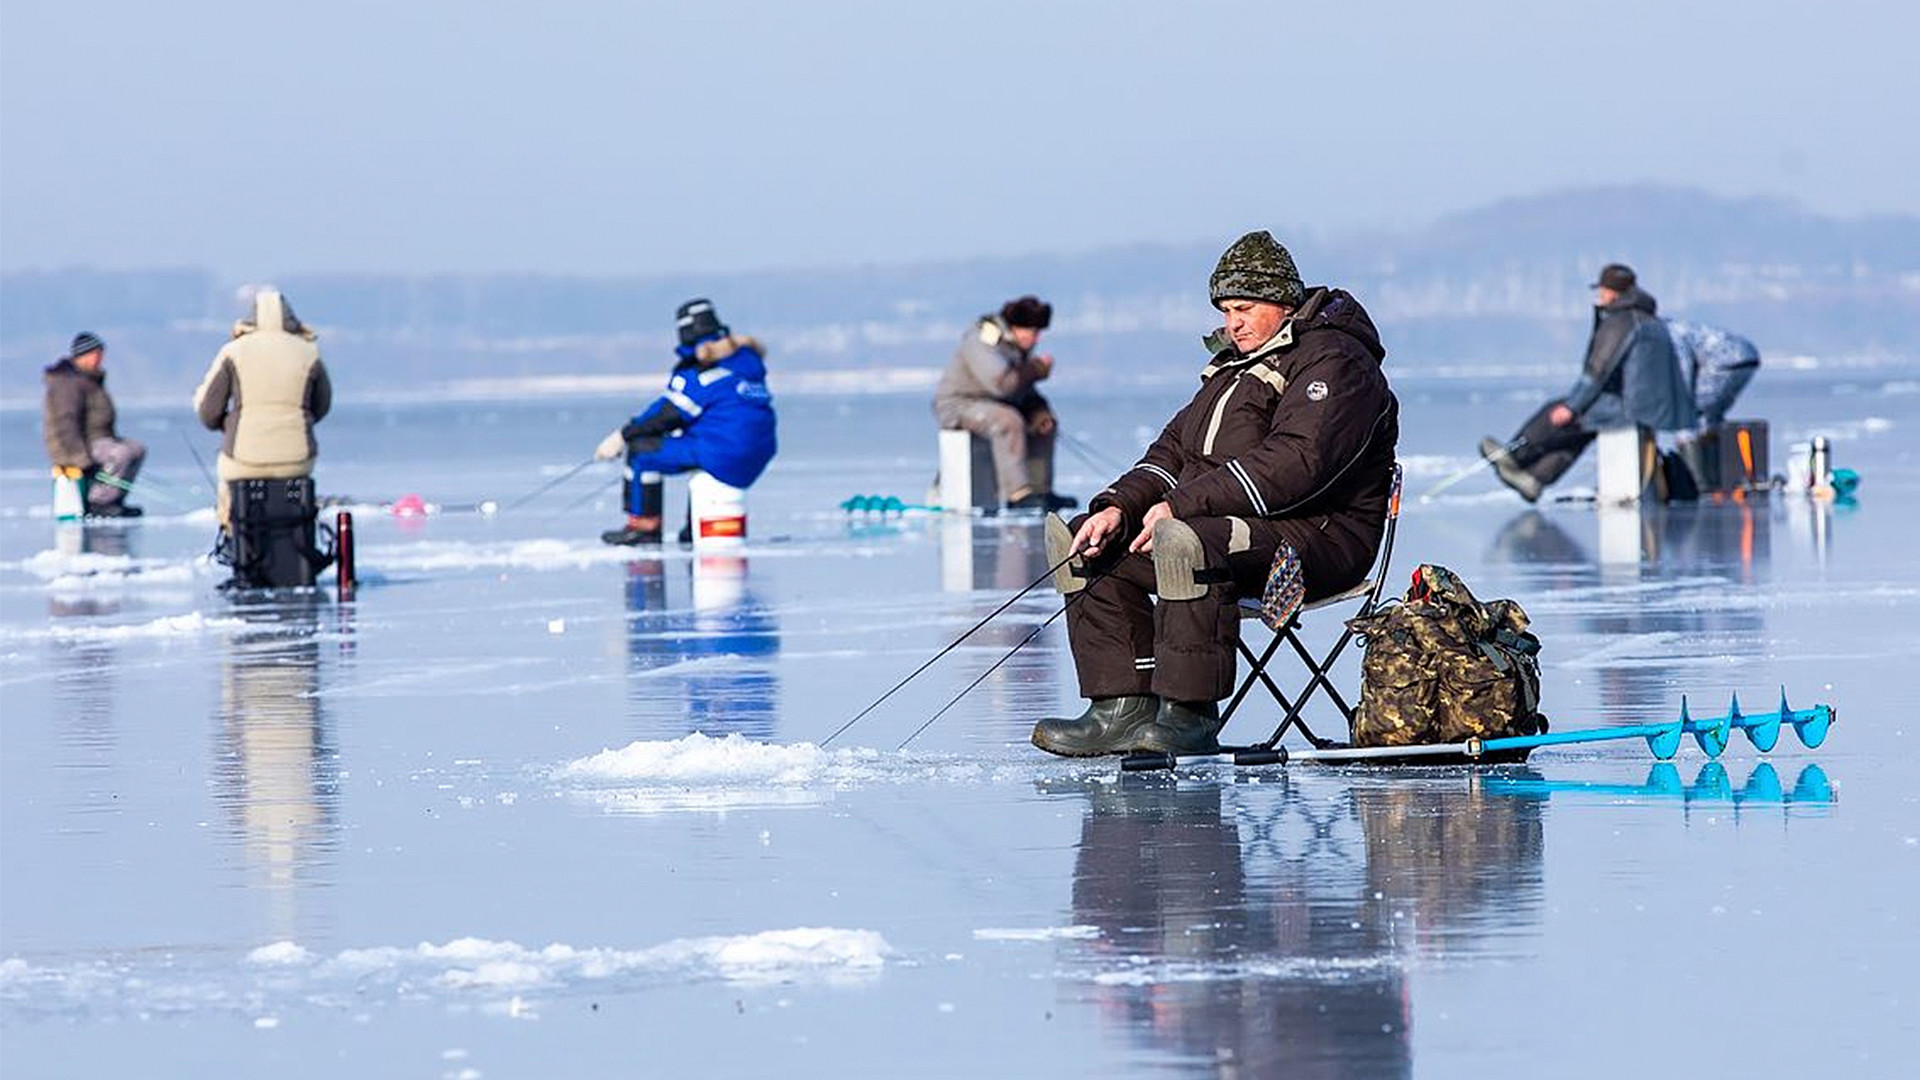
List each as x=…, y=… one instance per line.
x=1265, y=928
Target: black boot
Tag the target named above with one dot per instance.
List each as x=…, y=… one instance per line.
x=1183, y=727
x=1510, y=471
x=1057, y=501
x=639, y=531
x=1109, y=726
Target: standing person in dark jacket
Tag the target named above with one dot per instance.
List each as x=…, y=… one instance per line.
x=989, y=389
x=1274, y=479
x=716, y=415
x=1630, y=376
x=81, y=440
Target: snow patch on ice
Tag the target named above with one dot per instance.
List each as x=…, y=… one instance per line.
x=170, y=626
x=702, y=759
x=284, y=974
x=280, y=952
x=702, y=773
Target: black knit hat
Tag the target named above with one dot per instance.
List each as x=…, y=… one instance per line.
x=84, y=343
x=1029, y=312
x=698, y=321
x=1616, y=276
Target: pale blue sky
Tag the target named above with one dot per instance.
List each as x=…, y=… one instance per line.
x=263, y=139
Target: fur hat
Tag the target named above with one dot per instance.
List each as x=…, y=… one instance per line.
x=1256, y=267
x=1027, y=311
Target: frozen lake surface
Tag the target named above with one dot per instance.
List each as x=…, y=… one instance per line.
x=533, y=807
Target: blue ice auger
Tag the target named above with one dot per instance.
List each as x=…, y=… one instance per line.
x=1663, y=739
x=881, y=504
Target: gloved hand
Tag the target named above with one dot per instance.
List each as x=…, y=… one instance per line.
x=613, y=446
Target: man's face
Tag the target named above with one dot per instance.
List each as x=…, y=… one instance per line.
x=1602, y=296
x=1024, y=336
x=90, y=362
x=1252, y=323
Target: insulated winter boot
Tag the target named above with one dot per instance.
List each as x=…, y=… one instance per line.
x=1509, y=470
x=1183, y=727
x=1109, y=726
x=639, y=531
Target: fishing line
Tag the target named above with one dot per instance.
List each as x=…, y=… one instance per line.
x=200, y=461
x=995, y=613
x=982, y=677
x=546, y=487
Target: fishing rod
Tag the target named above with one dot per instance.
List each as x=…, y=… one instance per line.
x=548, y=486
x=1499, y=455
x=113, y=481
x=954, y=644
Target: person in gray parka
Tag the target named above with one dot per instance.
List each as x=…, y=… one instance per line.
x=1631, y=376
x=989, y=390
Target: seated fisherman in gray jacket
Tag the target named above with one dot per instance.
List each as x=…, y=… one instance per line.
x=988, y=389
x=1630, y=377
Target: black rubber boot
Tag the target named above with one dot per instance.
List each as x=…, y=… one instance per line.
x=1511, y=472
x=639, y=532
x=1183, y=727
x=1109, y=726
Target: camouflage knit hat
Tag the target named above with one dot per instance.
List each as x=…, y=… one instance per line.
x=1256, y=267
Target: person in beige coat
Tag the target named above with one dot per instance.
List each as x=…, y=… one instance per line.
x=264, y=392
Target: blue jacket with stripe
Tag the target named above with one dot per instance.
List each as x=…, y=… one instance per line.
x=717, y=396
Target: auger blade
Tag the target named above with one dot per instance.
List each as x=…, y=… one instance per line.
x=1763, y=731
x=1812, y=724
x=1665, y=742
x=1712, y=734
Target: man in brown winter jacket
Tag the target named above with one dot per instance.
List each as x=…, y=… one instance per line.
x=81, y=440
x=1274, y=479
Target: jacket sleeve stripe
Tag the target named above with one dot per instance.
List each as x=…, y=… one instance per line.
x=1253, y=493
x=684, y=403
x=1156, y=470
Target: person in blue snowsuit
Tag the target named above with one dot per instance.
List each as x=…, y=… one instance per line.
x=716, y=416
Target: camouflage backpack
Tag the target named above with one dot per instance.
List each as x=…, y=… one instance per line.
x=1443, y=667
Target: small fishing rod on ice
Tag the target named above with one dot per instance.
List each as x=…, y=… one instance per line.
x=1491, y=459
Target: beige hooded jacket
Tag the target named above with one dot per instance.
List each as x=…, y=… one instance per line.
x=265, y=391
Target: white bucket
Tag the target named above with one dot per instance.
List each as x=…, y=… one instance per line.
x=719, y=512
x=69, y=498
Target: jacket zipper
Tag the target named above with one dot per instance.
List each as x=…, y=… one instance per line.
x=1219, y=410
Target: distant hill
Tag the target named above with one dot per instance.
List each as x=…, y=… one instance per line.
x=1500, y=285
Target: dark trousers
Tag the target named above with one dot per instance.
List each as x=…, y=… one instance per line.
x=1549, y=451
x=1124, y=643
